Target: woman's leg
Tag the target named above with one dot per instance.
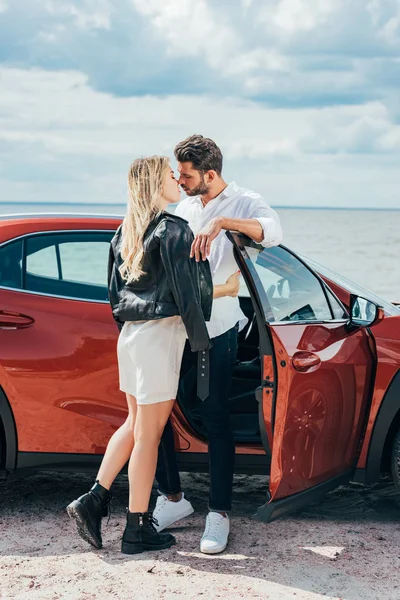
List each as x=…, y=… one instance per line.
x=150, y=423
x=119, y=447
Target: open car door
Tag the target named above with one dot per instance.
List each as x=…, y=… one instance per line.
x=317, y=377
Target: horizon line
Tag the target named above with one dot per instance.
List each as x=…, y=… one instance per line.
x=283, y=206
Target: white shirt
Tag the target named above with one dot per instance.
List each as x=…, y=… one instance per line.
x=233, y=203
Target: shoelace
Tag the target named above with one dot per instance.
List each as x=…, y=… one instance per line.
x=152, y=522
x=107, y=510
x=108, y=507
x=161, y=501
x=213, y=528
x=164, y=499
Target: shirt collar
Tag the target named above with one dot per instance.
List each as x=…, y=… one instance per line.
x=230, y=190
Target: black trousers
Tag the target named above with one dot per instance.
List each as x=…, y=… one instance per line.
x=214, y=414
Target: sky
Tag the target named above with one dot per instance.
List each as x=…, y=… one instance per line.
x=302, y=96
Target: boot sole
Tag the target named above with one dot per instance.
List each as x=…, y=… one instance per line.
x=130, y=548
x=77, y=512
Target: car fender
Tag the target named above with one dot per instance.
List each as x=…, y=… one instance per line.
x=8, y=461
x=388, y=415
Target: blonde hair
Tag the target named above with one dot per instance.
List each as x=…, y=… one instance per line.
x=145, y=188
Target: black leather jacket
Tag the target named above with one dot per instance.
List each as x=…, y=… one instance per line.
x=173, y=284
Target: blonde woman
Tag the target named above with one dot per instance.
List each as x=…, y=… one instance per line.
x=159, y=296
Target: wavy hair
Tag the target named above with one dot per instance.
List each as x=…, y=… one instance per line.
x=145, y=189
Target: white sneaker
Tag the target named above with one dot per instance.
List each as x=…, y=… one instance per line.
x=167, y=512
x=216, y=533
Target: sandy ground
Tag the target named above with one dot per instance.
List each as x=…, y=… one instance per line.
x=347, y=547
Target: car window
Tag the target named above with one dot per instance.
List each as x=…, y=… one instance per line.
x=43, y=262
x=337, y=309
x=293, y=292
x=71, y=265
x=85, y=262
x=11, y=265
x=353, y=288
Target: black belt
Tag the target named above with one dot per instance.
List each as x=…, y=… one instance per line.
x=203, y=374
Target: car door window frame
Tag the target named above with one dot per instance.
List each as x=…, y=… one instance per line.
x=24, y=239
x=247, y=242
x=18, y=243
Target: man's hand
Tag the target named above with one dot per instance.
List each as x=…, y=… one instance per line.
x=202, y=242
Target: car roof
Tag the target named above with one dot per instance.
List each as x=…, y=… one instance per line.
x=38, y=215
x=16, y=225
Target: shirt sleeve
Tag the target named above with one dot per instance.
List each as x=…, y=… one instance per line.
x=269, y=221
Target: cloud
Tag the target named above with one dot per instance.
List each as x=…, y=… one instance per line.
x=366, y=129
x=62, y=140
x=391, y=30
x=201, y=33
x=302, y=15
x=89, y=14
x=302, y=95
x=190, y=29
x=283, y=52
x=385, y=16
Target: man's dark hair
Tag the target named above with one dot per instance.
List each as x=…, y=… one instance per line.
x=202, y=152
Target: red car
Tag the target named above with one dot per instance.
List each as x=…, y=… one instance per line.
x=315, y=398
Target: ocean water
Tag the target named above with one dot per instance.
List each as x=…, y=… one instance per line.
x=362, y=245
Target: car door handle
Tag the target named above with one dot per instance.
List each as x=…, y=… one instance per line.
x=305, y=361
x=13, y=320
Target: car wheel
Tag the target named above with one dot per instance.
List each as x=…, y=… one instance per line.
x=396, y=461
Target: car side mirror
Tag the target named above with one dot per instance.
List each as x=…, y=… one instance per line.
x=363, y=313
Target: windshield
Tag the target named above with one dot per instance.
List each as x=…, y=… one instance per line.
x=390, y=309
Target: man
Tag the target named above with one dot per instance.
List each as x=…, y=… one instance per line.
x=211, y=208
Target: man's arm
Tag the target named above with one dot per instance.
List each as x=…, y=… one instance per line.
x=263, y=229
x=250, y=227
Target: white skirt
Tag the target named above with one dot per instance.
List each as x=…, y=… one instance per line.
x=150, y=357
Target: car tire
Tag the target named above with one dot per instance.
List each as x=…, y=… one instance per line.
x=395, y=461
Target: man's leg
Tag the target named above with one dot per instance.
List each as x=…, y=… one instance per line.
x=167, y=473
x=221, y=445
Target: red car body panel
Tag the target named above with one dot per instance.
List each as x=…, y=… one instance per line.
x=387, y=358
x=65, y=383
x=19, y=226
x=63, y=387
x=319, y=408
x=386, y=335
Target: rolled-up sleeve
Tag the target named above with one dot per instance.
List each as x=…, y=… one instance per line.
x=269, y=221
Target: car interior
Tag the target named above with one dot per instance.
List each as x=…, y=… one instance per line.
x=246, y=379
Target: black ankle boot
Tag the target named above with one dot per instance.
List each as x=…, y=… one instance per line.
x=140, y=534
x=88, y=511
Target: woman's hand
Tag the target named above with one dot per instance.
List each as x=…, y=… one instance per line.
x=230, y=288
x=233, y=284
